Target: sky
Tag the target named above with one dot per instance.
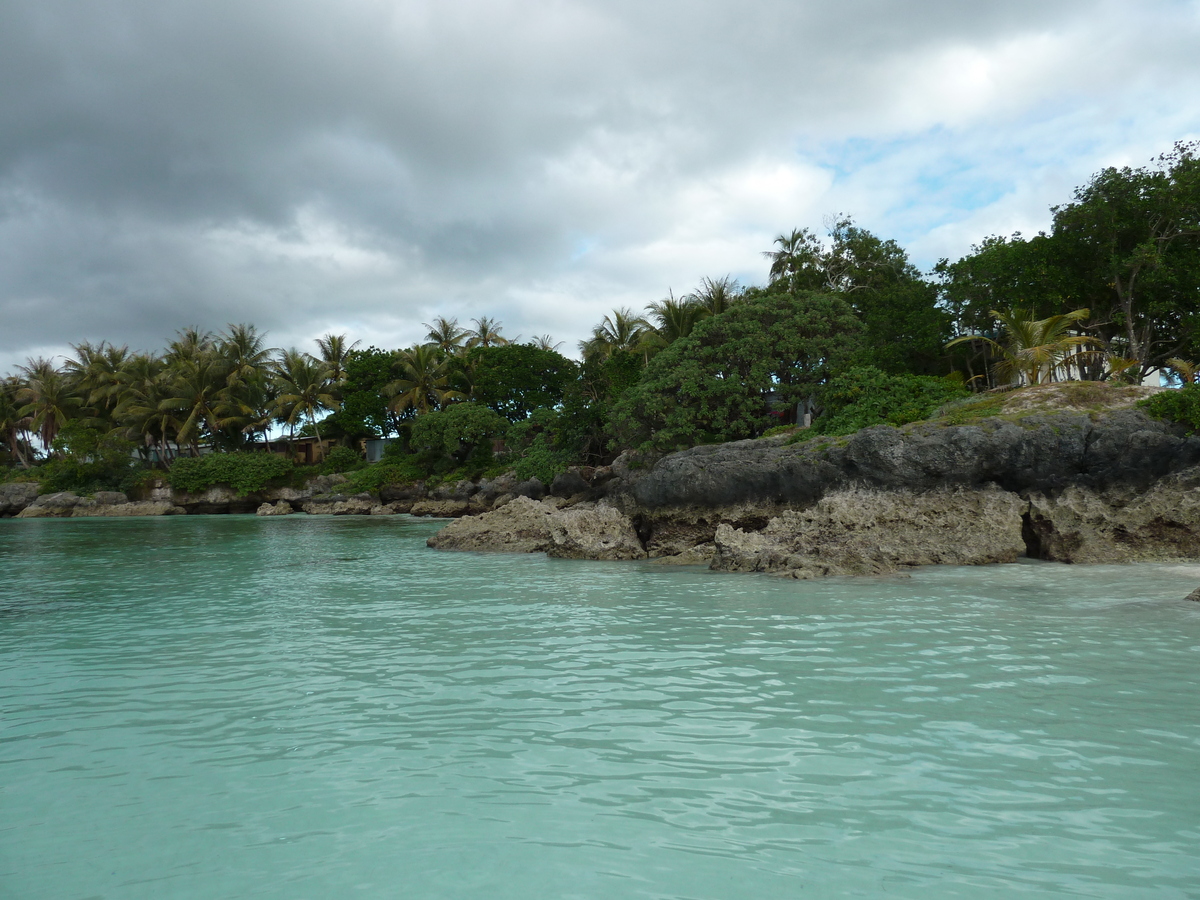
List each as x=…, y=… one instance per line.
x=363, y=166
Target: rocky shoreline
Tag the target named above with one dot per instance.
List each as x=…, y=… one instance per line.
x=1069, y=487
x=1066, y=486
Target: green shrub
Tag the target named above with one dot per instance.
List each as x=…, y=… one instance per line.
x=342, y=459
x=458, y=430
x=1181, y=406
x=87, y=461
x=864, y=396
x=394, y=470
x=244, y=472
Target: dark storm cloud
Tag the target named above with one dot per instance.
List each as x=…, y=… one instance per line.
x=366, y=164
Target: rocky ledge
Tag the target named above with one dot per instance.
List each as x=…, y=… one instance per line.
x=1070, y=487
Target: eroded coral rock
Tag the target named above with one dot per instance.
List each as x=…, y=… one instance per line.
x=519, y=526
x=861, y=532
x=593, y=532
x=278, y=508
x=1082, y=525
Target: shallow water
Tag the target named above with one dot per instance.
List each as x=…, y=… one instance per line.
x=228, y=707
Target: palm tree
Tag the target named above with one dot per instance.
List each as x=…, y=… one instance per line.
x=620, y=331
x=1185, y=370
x=335, y=353
x=675, y=317
x=715, y=296
x=795, y=251
x=49, y=400
x=246, y=353
x=95, y=375
x=145, y=388
x=1034, y=349
x=486, y=333
x=545, y=342
x=197, y=393
x=189, y=343
x=447, y=335
x=14, y=427
x=424, y=382
x=304, y=388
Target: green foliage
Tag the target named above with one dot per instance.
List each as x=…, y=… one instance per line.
x=544, y=445
x=1181, y=406
x=244, y=472
x=341, y=459
x=395, y=470
x=864, y=396
x=87, y=460
x=363, y=412
x=515, y=379
x=714, y=384
x=458, y=430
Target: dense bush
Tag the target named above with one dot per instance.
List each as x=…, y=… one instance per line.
x=457, y=431
x=714, y=384
x=1182, y=406
x=865, y=396
x=86, y=461
x=244, y=472
x=342, y=459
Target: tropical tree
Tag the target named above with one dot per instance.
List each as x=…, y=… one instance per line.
x=673, y=318
x=424, y=382
x=48, y=399
x=304, y=388
x=196, y=396
x=621, y=331
x=1036, y=350
x=716, y=295
x=144, y=411
x=448, y=335
x=335, y=353
x=13, y=425
x=486, y=333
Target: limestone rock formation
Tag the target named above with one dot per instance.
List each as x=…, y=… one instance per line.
x=593, y=532
x=1084, y=525
x=278, y=508
x=863, y=532
x=519, y=526
x=15, y=496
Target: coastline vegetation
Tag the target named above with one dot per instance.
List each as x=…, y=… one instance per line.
x=845, y=333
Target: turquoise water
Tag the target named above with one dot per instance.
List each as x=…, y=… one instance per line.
x=232, y=707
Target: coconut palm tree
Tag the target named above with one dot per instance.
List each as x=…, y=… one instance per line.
x=674, y=318
x=335, y=353
x=48, y=399
x=486, y=333
x=304, y=388
x=714, y=296
x=1036, y=349
x=14, y=427
x=424, y=382
x=94, y=373
x=1185, y=370
x=447, y=334
x=196, y=394
x=545, y=342
x=142, y=410
x=620, y=331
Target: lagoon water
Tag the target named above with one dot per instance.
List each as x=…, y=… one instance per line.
x=233, y=707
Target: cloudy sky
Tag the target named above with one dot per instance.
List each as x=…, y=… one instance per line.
x=362, y=166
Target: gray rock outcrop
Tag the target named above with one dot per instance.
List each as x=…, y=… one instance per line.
x=278, y=508
x=15, y=496
x=593, y=532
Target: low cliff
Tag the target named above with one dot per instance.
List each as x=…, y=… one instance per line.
x=1066, y=486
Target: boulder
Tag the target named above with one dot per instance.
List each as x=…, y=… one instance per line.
x=440, y=509
x=133, y=508
x=15, y=496
x=864, y=532
x=109, y=498
x=339, y=505
x=278, y=508
x=700, y=555
x=57, y=505
x=519, y=526
x=593, y=532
